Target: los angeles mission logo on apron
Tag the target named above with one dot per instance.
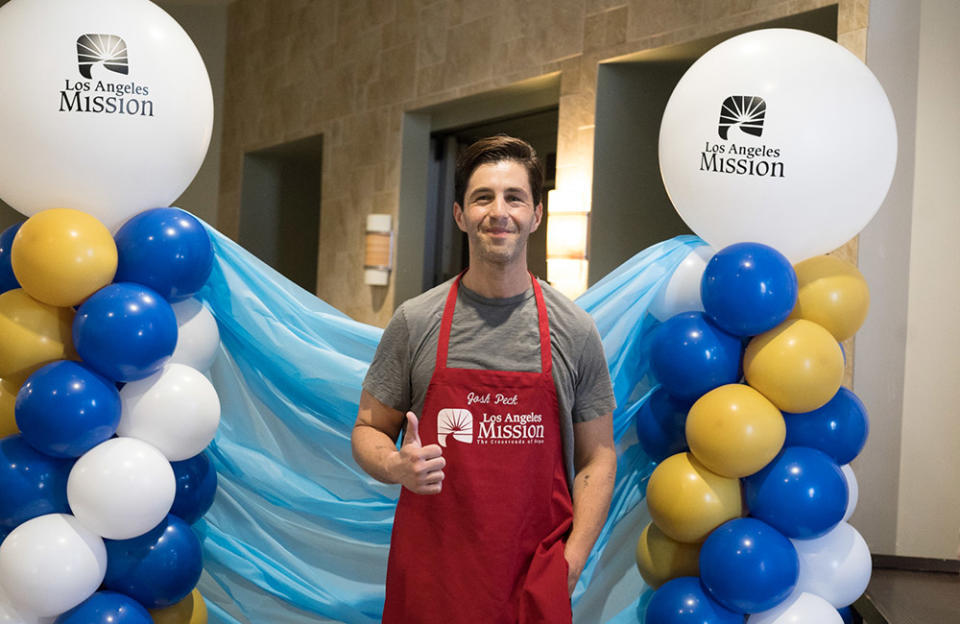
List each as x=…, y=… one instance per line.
x=496, y=422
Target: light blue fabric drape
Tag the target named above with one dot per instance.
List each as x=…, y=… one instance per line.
x=298, y=533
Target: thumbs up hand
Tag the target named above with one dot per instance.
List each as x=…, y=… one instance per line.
x=418, y=468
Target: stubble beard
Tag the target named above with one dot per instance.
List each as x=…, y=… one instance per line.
x=500, y=255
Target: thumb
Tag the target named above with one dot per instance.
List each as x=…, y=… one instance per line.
x=412, y=436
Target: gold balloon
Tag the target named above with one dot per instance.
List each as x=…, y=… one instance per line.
x=190, y=610
x=798, y=365
x=62, y=256
x=734, y=430
x=32, y=334
x=8, y=397
x=831, y=293
x=687, y=500
x=661, y=559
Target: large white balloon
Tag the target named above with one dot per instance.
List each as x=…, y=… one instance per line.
x=853, y=490
x=681, y=293
x=121, y=488
x=106, y=108
x=176, y=410
x=835, y=566
x=197, y=335
x=799, y=608
x=780, y=137
x=9, y=614
x=50, y=564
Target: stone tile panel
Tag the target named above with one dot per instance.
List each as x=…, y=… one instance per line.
x=432, y=34
x=468, y=58
x=653, y=17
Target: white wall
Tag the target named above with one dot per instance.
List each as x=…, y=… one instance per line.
x=908, y=353
x=928, y=518
x=892, y=52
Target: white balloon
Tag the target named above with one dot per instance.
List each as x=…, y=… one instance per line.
x=110, y=112
x=799, y=608
x=197, y=335
x=681, y=293
x=9, y=614
x=780, y=137
x=50, y=564
x=176, y=410
x=853, y=491
x=121, y=488
x=835, y=566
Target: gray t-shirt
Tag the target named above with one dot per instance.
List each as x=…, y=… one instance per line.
x=494, y=334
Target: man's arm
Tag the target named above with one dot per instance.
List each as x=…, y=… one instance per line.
x=595, y=464
x=374, y=441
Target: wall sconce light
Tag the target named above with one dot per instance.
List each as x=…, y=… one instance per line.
x=567, y=235
x=568, y=226
x=378, y=256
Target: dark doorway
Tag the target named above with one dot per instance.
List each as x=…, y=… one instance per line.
x=445, y=253
x=280, y=208
x=9, y=216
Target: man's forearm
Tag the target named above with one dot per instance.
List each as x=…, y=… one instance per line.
x=592, y=491
x=373, y=450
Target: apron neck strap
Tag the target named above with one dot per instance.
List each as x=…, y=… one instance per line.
x=543, y=325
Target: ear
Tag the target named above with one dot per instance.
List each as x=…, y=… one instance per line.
x=458, y=216
x=538, y=217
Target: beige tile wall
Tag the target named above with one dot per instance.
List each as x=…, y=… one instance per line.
x=348, y=69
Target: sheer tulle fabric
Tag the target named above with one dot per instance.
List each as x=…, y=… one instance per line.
x=298, y=532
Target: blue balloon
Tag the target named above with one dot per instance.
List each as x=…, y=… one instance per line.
x=802, y=493
x=846, y=613
x=748, y=288
x=839, y=428
x=125, y=331
x=684, y=601
x=32, y=483
x=748, y=566
x=691, y=356
x=8, y=281
x=660, y=423
x=167, y=249
x=158, y=568
x=106, y=607
x=196, y=487
x=65, y=409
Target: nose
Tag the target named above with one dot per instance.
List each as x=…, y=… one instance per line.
x=498, y=208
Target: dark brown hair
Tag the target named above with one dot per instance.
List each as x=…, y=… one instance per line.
x=493, y=150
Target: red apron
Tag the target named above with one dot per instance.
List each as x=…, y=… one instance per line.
x=489, y=548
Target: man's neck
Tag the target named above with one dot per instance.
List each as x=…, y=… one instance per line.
x=497, y=281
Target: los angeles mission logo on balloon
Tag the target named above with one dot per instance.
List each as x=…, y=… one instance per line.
x=496, y=422
x=86, y=95
x=746, y=113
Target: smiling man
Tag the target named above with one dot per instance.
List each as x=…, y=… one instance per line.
x=507, y=462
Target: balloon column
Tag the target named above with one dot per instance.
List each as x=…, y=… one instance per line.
x=750, y=425
x=104, y=406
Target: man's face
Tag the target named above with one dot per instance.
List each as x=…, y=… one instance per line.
x=498, y=214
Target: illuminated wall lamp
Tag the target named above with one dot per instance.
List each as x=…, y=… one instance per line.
x=567, y=236
x=378, y=256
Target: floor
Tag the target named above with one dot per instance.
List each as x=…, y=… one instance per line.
x=912, y=596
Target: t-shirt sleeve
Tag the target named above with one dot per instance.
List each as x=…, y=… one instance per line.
x=594, y=392
x=388, y=378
